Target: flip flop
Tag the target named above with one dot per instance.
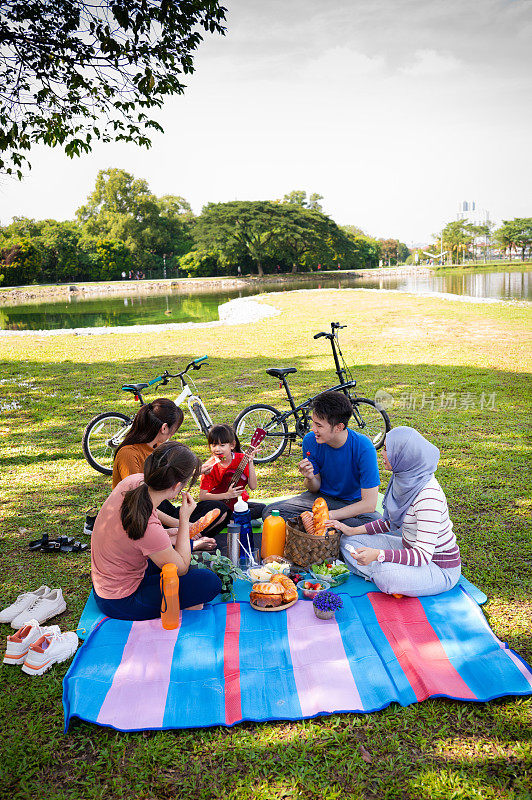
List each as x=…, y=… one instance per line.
x=74, y=547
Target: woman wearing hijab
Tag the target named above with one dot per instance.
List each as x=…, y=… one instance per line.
x=412, y=550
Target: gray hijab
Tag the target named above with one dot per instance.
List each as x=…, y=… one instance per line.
x=413, y=460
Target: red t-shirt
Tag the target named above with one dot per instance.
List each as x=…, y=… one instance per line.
x=212, y=482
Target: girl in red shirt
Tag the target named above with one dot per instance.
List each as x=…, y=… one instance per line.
x=227, y=454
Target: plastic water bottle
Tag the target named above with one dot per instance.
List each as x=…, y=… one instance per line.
x=170, y=599
x=273, y=535
x=242, y=517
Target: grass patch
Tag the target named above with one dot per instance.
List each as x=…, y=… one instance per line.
x=418, y=349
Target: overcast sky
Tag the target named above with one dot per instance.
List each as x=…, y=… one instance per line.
x=394, y=110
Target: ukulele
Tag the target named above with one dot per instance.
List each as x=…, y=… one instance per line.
x=233, y=477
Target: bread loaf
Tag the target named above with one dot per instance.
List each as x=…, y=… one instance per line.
x=266, y=595
x=203, y=522
x=320, y=513
x=289, y=587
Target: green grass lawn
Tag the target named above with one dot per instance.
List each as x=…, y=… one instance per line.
x=417, y=349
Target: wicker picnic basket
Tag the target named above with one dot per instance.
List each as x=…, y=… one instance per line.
x=304, y=549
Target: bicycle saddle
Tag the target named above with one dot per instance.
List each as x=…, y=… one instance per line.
x=134, y=387
x=280, y=372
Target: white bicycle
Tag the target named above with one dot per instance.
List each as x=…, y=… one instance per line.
x=106, y=431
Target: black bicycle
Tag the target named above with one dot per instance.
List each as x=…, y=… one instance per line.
x=368, y=418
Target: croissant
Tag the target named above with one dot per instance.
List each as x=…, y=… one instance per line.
x=203, y=522
x=288, y=585
x=320, y=513
x=308, y=522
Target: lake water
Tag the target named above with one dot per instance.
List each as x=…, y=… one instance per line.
x=203, y=307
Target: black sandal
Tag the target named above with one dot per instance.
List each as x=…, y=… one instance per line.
x=74, y=547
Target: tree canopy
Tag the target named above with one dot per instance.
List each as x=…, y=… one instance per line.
x=72, y=72
x=264, y=232
x=515, y=234
x=122, y=207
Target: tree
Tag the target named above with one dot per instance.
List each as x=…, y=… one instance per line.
x=367, y=249
x=298, y=197
x=72, y=72
x=515, y=234
x=238, y=229
x=307, y=237
x=457, y=236
x=122, y=208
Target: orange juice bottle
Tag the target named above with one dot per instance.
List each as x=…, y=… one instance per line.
x=170, y=593
x=273, y=535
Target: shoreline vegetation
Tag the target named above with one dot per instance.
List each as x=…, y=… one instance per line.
x=18, y=295
x=458, y=372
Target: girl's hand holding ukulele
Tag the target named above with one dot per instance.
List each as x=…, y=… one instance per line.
x=231, y=494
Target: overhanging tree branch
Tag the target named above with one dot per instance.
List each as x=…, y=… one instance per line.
x=64, y=64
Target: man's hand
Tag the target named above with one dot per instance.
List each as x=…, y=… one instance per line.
x=365, y=555
x=306, y=469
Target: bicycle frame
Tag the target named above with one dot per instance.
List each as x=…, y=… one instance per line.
x=194, y=403
x=295, y=410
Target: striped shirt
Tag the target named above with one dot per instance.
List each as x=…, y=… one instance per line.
x=427, y=532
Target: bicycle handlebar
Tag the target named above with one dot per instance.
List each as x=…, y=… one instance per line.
x=156, y=380
x=319, y=335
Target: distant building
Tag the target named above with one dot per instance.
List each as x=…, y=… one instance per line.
x=467, y=209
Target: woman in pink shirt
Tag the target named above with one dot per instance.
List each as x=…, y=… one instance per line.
x=129, y=544
x=412, y=550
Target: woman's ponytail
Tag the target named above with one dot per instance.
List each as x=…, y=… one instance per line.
x=136, y=511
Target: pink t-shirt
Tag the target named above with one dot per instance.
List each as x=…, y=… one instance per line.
x=118, y=563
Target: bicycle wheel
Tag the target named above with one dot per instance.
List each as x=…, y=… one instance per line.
x=267, y=417
x=97, y=446
x=373, y=422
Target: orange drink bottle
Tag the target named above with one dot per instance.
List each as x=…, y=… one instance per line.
x=273, y=535
x=170, y=593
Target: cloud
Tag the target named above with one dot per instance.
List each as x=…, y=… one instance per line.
x=431, y=63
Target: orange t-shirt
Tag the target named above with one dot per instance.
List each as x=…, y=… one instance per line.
x=130, y=460
x=118, y=563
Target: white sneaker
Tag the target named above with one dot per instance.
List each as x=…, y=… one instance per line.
x=22, y=603
x=41, y=609
x=19, y=643
x=52, y=648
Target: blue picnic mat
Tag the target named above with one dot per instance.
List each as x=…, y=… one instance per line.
x=354, y=587
x=230, y=663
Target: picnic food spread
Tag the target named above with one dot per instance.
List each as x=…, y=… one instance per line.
x=329, y=569
x=266, y=595
x=277, y=592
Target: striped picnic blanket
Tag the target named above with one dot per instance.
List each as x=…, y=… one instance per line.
x=230, y=663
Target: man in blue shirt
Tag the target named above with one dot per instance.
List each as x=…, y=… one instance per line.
x=338, y=464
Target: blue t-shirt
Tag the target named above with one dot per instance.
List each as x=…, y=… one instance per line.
x=345, y=470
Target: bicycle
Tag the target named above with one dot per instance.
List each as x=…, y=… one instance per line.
x=370, y=419
x=106, y=431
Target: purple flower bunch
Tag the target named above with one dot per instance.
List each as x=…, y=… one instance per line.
x=328, y=601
